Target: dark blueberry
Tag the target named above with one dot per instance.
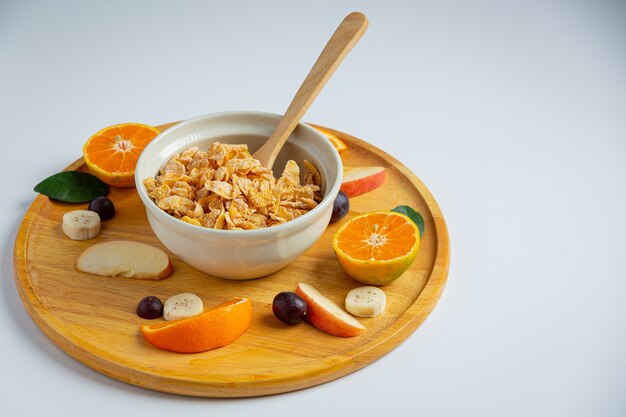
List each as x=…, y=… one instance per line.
x=289, y=308
x=341, y=207
x=150, y=307
x=103, y=206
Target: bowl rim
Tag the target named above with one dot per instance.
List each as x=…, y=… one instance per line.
x=288, y=226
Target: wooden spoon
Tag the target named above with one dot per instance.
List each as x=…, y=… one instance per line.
x=343, y=40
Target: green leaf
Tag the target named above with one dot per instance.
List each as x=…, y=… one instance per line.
x=413, y=215
x=72, y=187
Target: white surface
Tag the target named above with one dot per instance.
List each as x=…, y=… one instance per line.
x=512, y=113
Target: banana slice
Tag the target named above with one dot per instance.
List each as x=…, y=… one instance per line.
x=81, y=224
x=182, y=305
x=366, y=301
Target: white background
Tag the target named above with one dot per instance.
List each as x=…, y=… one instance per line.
x=512, y=113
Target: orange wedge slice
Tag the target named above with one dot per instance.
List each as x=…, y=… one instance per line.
x=337, y=143
x=212, y=329
x=376, y=248
x=112, y=153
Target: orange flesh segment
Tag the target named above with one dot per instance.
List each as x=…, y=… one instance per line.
x=378, y=236
x=161, y=325
x=117, y=149
x=211, y=329
x=337, y=143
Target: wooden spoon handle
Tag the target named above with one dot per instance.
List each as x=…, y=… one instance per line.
x=343, y=40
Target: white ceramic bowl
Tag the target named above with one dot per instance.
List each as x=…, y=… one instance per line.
x=241, y=254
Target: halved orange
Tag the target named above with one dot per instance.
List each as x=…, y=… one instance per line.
x=112, y=153
x=211, y=329
x=376, y=248
x=337, y=143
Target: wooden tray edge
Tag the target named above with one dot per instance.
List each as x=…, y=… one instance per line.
x=389, y=339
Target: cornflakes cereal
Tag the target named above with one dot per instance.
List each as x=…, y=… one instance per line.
x=226, y=188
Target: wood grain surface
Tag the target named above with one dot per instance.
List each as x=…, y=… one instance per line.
x=93, y=318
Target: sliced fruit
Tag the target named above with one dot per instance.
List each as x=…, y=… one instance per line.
x=112, y=153
x=125, y=258
x=81, y=224
x=376, y=248
x=326, y=315
x=413, y=215
x=182, y=305
x=366, y=301
x=212, y=329
x=360, y=180
x=334, y=139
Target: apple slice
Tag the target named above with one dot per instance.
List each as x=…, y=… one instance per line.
x=360, y=180
x=125, y=258
x=326, y=315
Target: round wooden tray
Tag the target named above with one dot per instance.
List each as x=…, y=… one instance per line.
x=93, y=318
